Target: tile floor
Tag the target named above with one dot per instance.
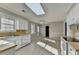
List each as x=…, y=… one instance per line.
x=32, y=49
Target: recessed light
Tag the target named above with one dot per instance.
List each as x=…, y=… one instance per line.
x=23, y=11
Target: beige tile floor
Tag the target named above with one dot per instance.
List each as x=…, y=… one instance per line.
x=32, y=49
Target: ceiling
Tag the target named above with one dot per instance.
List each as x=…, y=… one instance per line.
x=53, y=11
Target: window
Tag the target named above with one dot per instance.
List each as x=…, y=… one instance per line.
x=7, y=24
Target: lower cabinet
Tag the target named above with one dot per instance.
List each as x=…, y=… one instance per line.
x=10, y=51
x=20, y=41
x=71, y=50
x=63, y=46
x=25, y=40
x=11, y=39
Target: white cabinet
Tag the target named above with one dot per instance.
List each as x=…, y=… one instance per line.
x=21, y=24
x=71, y=50
x=20, y=41
x=75, y=20
x=10, y=39
x=10, y=51
x=25, y=39
x=73, y=15
x=63, y=46
x=72, y=20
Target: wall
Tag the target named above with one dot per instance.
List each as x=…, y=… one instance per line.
x=56, y=29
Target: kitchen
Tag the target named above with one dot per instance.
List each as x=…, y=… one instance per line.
x=18, y=32
x=15, y=32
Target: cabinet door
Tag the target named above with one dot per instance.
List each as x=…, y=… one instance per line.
x=11, y=39
x=25, y=40
x=28, y=37
x=10, y=51
x=63, y=46
x=18, y=42
x=71, y=50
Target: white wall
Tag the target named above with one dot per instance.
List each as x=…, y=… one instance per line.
x=56, y=29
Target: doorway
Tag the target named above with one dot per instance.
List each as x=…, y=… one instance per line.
x=47, y=31
x=65, y=28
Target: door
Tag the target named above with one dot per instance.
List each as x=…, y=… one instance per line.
x=47, y=31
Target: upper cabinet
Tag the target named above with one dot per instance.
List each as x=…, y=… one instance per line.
x=21, y=24
x=73, y=21
x=10, y=23
x=73, y=16
x=7, y=23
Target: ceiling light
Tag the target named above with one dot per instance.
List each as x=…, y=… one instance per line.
x=36, y=8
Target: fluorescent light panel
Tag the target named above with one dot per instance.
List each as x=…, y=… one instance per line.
x=36, y=8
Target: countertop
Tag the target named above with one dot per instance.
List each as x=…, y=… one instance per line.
x=17, y=33
x=4, y=47
x=75, y=45
x=70, y=39
x=73, y=42
x=12, y=34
